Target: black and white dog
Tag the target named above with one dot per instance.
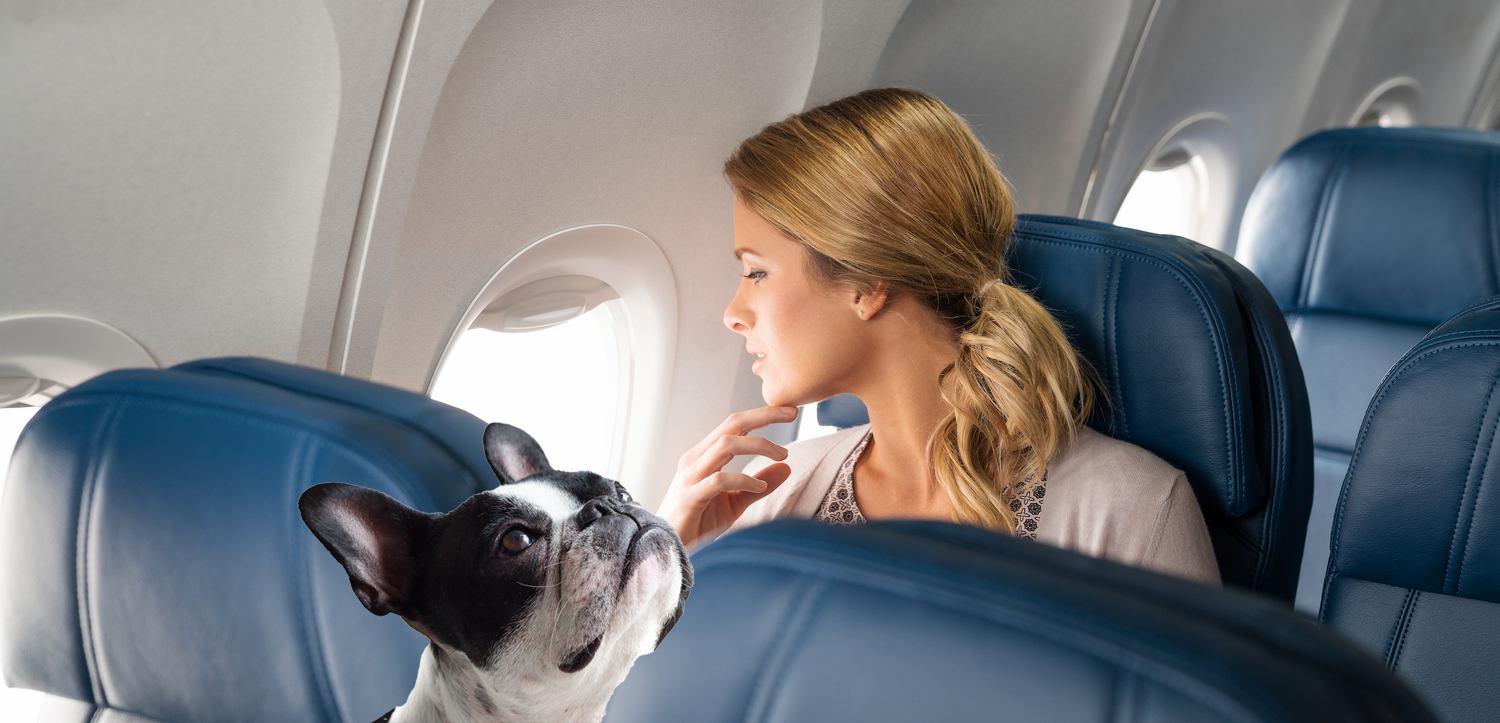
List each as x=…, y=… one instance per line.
x=537, y=596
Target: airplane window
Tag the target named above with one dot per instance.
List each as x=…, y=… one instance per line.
x=1388, y=117
x=1170, y=196
x=1396, y=103
x=15, y=704
x=560, y=383
x=807, y=424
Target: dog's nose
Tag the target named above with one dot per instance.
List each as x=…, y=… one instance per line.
x=597, y=508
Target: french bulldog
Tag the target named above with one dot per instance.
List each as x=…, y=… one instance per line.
x=536, y=596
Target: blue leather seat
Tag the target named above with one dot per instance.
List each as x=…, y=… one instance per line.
x=927, y=621
x=157, y=568
x=1368, y=238
x=1197, y=366
x=1415, y=569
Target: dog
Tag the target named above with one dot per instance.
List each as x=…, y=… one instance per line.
x=536, y=596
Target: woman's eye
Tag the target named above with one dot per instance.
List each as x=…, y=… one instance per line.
x=755, y=275
x=515, y=541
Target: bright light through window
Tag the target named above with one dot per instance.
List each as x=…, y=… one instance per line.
x=1168, y=201
x=560, y=384
x=807, y=424
x=15, y=705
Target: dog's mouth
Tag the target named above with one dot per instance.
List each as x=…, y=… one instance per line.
x=645, y=555
x=579, y=660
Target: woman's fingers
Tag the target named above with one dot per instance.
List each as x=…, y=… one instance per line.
x=740, y=424
x=720, y=482
x=772, y=475
x=727, y=448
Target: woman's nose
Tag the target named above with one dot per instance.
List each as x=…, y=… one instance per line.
x=736, y=316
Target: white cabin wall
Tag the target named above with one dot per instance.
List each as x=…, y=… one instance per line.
x=1448, y=47
x=854, y=33
x=1035, y=78
x=170, y=168
x=1255, y=64
x=555, y=115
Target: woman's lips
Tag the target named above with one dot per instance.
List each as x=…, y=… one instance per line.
x=759, y=362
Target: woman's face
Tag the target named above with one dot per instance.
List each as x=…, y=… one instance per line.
x=806, y=331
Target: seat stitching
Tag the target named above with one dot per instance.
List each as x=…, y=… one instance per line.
x=1320, y=224
x=1397, y=371
x=1229, y=397
x=1490, y=195
x=350, y=447
x=1025, y=615
x=1123, y=704
x=1392, y=639
x=1112, y=297
x=1407, y=615
x=394, y=420
x=1266, y=345
x=775, y=668
x=105, y=430
x=1478, y=459
x=304, y=458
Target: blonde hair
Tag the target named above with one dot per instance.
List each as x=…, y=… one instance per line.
x=890, y=186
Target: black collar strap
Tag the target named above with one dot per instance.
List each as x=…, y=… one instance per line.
x=387, y=717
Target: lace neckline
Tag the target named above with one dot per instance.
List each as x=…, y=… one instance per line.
x=840, y=508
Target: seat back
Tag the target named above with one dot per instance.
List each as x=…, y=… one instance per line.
x=797, y=621
x=155, y=562
x=1368, y=238
x=1196, y=366
x=1415, y=569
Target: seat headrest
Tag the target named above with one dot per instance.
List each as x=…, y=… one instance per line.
x=1418, y=508
x=1197, y=365
x=1401, y=224
x=843, y=411
x=156, y=561
x=800, y=621
x=1161, y=326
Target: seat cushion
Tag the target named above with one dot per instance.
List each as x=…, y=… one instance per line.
x=1415, y=568
x=156, y=562
x=799, y=621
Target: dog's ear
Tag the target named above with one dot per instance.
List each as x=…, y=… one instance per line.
x=377, y=539
x=513, y=454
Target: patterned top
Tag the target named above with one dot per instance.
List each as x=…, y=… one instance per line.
x=840, y=508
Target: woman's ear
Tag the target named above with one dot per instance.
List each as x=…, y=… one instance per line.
x=867, y=304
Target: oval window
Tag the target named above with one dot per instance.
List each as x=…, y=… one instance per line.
x=560, y=382
x=1169, y=197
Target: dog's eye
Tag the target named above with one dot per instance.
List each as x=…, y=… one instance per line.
x=515, y=541
x=624, y=496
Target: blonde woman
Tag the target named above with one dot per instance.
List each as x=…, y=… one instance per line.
x=872, y=232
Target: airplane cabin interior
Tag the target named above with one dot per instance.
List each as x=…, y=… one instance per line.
x=250, y=247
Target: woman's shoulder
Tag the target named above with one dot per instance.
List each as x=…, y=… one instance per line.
x=1109, y=498
x=1094, y=458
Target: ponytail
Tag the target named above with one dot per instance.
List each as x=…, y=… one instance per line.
x=890, y=185
x=1019, y=394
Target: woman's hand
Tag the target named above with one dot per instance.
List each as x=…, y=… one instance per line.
x=704, y=498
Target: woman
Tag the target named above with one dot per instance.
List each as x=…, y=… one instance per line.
x=872, y=233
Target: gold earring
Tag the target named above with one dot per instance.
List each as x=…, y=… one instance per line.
x=861, y=313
